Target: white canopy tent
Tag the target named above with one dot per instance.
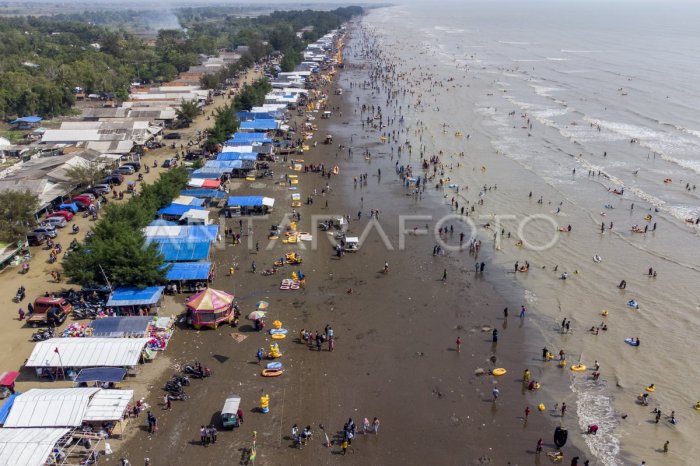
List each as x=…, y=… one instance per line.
x=108, y=405
x=87, y=352
x=41, y=407
x=28, y=447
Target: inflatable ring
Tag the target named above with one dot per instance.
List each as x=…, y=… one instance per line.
x=273, y=365
x=271, y=372
x=604, y=313
x=578, y=368
x=274, y=331
x=278, y=336
x=536, y=386
x=697, y=406
x=651, y=389
x=541, y=407
x=498, y=371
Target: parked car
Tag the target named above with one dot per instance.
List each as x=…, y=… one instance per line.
x=102, y=188
x=124, y=170
x=49, y=231
x=68, y=215
x=58, y=222
x=113, y=179
x=36, y=239
x=88, y=194
x=135, y=165
x=167, y=163
x=174, y=135
x=83, y=201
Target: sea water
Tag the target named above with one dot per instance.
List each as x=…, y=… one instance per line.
x=592, y=79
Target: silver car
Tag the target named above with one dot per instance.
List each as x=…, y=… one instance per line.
x=58, y=222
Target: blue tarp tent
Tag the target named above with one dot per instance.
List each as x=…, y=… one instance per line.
x=128, y=296
x=181, y=233
x=246, y=139
x=7, y=406
x=237, y=156
x=101, y=374
x=189, y=202
x=73, y=207
x=266, y=124
x=254, y=201
x=189, y=271
x=27, y=119
x=177, y=249
x=119, y=327
x=177, y=210
x=227, y=164
x=204, y=193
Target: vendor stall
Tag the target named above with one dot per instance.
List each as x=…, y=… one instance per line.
x=209, y=308
x=136, y=301
x=189, y=276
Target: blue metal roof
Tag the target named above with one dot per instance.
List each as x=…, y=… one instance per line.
x=101, y=374
x=28, y=119
x=227, y=164
x=118, y=327
x=7, y=406
x=185, y=234
x=243, y=116
x=237, y=156
x=204, y=193
x=244, y=139
x=129, y=296
x=210, y=173
x=178, y=209
x=265, y=124
x=159, y=222
x=244, y=201
x=189, y=271
x=176, y=250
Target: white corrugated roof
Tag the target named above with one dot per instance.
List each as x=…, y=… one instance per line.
x=108, y=405
x=87, y=352
x=41, y=407
x=28, y=447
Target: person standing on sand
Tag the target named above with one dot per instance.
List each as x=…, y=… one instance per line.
x=540, y=445
x=482, y=266
x=444, y=275
x=545, y=352
x=459, y=343
x=505, y=312
x=375, y=426
x=522, y=312
x=563, y=409
x=495, y=393
x=527, y=412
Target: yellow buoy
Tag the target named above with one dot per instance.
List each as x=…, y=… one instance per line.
x=498, y=371
x=578, y=368
x=604, y=313
x=541, y=407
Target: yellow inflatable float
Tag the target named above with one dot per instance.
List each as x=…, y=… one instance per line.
x=578, y=368
x=697, y=406
x=651, y=388
x=499, y=371
x=604, y=313
x=541, y=407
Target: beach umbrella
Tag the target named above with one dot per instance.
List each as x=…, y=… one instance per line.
x=256, y=315
x=262, y=305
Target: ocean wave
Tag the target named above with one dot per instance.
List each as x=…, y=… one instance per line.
x=512, y=42
x=580, y=51
x=557, y=59
x=594, y=405
x=519, y=60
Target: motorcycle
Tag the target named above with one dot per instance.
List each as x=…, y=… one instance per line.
x=180, y=379
x=25, y=267
x=43, y=334
x=192, y=370
x=177, y=396
x=268, y=272
x=19, y=296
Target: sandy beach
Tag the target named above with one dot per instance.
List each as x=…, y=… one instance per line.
x=395, y=357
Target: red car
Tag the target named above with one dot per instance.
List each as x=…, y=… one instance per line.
x=63, y=213
x=83, y=201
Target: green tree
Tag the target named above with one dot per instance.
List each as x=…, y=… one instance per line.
x=86, y=174
x=188, y=111
x=17, y=211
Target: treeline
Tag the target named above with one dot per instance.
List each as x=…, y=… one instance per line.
x=46, y=58
x=117, y=248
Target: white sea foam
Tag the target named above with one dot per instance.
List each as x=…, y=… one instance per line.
x=594, y=405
